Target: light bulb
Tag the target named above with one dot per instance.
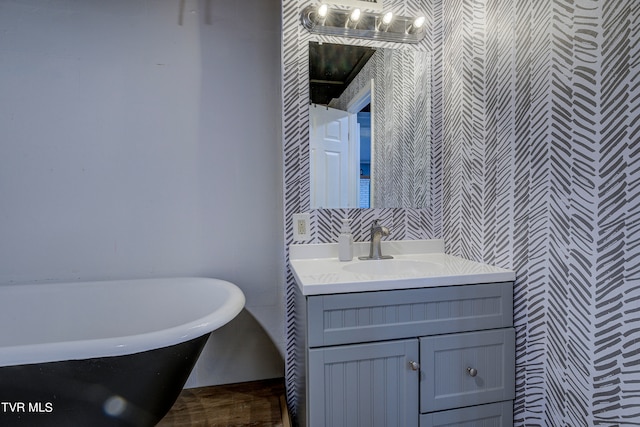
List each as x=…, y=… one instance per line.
x=322, y=10
x=418, y=22
x=386, y=19
x=355, y=15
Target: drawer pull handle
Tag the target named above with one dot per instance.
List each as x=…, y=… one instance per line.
x=414, y=365
x=472, y=372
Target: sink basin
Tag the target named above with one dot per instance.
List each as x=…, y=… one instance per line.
x=396, y=267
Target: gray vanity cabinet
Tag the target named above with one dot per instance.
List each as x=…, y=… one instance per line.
x=416, y=357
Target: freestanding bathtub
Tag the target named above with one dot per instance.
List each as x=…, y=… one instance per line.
x=112, y=353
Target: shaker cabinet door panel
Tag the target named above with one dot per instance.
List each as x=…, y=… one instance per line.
x=366, y=385
x=467, y=369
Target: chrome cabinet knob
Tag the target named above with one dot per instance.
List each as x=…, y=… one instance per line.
x=472, y=372
x=414, y=365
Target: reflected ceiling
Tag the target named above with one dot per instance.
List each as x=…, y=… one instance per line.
x=332, y=67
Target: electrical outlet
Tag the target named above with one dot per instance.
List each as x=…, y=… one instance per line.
x=301, y=224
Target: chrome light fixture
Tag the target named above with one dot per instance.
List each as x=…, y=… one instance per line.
x=324, y=19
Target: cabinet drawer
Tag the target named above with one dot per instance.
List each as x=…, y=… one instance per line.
x=491, y=415
x=467, y=369
x=375, y=316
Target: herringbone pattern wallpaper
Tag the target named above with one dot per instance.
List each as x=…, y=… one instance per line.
x=540, y=173
x=535, y=166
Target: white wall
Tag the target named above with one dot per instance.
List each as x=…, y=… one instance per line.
x=141, y=140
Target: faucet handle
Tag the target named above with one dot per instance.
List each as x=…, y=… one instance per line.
x=377, y=226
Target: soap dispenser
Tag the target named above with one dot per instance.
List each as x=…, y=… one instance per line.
x=345, y=242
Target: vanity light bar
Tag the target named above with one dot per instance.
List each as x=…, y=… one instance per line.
x=324, y=19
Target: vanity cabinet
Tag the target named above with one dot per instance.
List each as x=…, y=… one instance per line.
x=427, y=357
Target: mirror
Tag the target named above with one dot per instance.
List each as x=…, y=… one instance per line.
x=369, y=127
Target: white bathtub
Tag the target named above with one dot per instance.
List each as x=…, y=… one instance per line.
x=155, y=323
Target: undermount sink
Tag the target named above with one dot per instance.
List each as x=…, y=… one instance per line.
x=394, y=267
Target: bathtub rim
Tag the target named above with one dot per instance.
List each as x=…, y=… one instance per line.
x=126, y=344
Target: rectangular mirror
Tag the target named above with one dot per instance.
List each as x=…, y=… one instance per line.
x=369, y=127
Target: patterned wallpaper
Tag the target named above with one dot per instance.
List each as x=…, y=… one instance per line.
x=535, y=166
x=541, y=173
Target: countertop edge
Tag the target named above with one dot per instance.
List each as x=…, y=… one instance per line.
x=401, y=284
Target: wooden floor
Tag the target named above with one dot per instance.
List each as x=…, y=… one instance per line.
x=258, y=403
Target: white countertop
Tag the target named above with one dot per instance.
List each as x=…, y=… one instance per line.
x=416, y=264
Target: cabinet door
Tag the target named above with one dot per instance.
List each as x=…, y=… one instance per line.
x=365, y=385
x=467, y=369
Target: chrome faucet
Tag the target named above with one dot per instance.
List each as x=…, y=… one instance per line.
x=377, y=231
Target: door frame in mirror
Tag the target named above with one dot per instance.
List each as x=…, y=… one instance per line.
x=360, y=101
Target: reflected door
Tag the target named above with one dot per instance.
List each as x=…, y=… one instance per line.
x=332, y=160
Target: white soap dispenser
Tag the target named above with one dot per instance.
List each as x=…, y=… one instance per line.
x=345, y=242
